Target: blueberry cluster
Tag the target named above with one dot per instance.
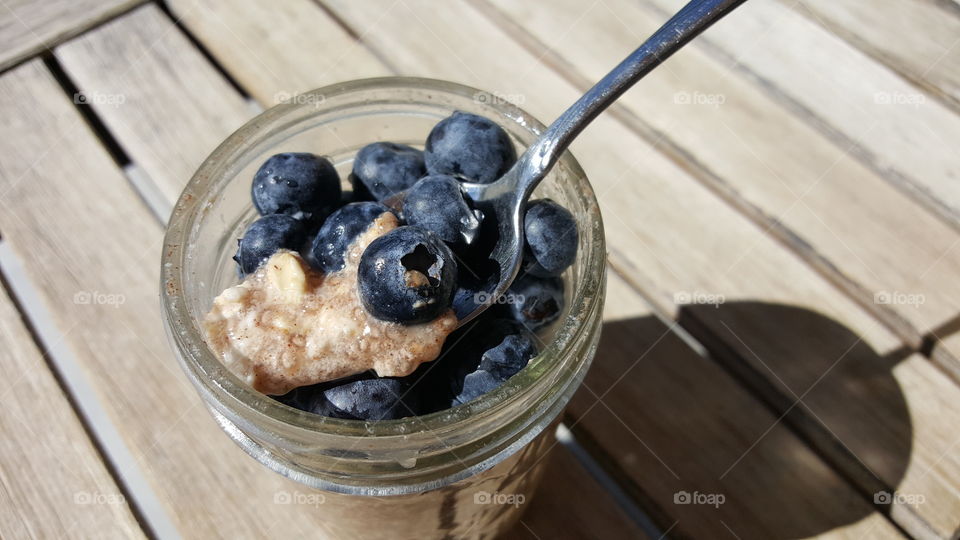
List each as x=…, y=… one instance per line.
x=438, y=259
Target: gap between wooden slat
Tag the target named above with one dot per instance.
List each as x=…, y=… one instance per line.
x=141, y=181
x=814, y=436
x=86, y=111
x=611, y=485
x=45, y=46
x=838, y=30
x=118, y=458
x=867, y=157
x=336, y=18
x=149, y=192
x=202, y=49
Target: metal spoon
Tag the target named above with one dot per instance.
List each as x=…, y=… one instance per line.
x=505, y=199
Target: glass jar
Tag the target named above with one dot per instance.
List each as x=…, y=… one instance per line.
x=461, y=471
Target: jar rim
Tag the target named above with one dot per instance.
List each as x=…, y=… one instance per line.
x=207, y=370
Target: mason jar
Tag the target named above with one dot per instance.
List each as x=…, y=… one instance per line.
x=468, y=471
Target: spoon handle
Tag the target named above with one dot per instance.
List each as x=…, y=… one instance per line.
x=694, y=18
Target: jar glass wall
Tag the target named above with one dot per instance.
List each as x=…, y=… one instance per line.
x=384, y=459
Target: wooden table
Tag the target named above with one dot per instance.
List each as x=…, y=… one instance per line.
x=781, y=353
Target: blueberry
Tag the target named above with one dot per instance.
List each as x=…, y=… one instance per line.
x=372, y=399
x=470, y=147
x=489, y=354
x=471, y=292
x=535, y=302
x=474, y=385
x=382, y=169
x=407, y=276
x=264, y=237
x=339, y=230
x=436, y=203
x=363, y=397
x=308, y=398
x=551, y=238
x=299, y=184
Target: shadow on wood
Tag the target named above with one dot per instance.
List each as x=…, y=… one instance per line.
x=705, y=456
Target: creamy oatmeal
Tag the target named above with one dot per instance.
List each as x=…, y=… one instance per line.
x=287, y=325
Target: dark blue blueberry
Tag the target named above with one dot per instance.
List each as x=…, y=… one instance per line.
x=469, y=147
x=436, y=203
x=474, y=385
x=383, y=169
x=308, y=398
x=264, y=237
x=372, y=399
x=472, y=291
x=551, y=238
x=535, y=302
x=299, y=184
x=488, y=355
x=363, y=397
x=339, y=231
x=407, y=275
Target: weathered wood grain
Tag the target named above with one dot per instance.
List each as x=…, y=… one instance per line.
x=234, y=480
x=916, y=38
x=266, y=62
x=28, y=27
x=885, y=248
x=946, y=351
x=888, y=122
x=167, y=139
x=53, y=482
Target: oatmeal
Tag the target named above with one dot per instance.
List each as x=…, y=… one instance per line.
x=287, y=325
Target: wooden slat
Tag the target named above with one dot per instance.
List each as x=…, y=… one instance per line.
x=675, y=423
x=836, y=212
x=169, y=140
x=267, y=62
x=946, y=349
x=664, y=228
x=214, y=110
x=916, y=38
x=887, y=121
x=28, y=27
x=570, y=504
x=53, y=483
